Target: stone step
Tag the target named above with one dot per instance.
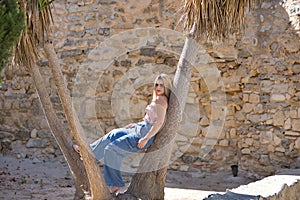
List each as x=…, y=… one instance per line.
x=285, y=185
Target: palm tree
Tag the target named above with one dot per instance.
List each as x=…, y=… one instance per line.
x=86, y=174
x=214, y=19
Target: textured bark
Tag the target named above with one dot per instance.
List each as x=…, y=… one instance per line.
x=149, y=182
x=97, y=185
x=62, y=137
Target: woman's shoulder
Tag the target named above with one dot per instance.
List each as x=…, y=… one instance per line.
x=162, y=100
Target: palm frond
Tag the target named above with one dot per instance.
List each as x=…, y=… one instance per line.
x=38, y=20
x=214, y=19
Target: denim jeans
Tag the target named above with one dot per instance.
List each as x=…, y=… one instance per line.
x=115, y=146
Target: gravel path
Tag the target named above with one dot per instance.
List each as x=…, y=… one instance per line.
x=47, y=180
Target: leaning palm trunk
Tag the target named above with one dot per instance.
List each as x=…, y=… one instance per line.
x=97, y=185
x=38, y=18
x=62, y=137
x=149, y=183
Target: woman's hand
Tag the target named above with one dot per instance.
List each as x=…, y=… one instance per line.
x=129, y=126
x=142, y=143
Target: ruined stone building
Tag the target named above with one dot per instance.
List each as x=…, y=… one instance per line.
x=243, y=105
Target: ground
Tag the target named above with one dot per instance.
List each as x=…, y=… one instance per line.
x=46, y=180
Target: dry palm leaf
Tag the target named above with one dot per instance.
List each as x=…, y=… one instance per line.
x=215, y=19
x=38, y=19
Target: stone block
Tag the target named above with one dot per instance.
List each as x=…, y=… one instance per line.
x=276, y=140
x=296, y=124
x=266, y=137
x=277, y=98
x=232, y=133
x=278, y=118
x=188, y=129
x=296, y=68
x=264, y=160
x=233, y=143
x=197, y=141
x=73, y=18
x=33, y=133
x=48, y=150
x=254, y=118
x=22, y=135
x=293, y=113
x=189, y=158
x=249, y=141
x=181, y=138
x=224, y=143
x=245, y=97
x=280, y=149
x=297, y=143
x=191, y=112
x=44, y=134
x=104, y=31
x=36, y=143
x=4, y=134
x=204, y=121
x=271, y=148
x=280, y=88
x=287, y=124
x=283, y=187
x=247, y=107
x=292, y=133
x=230, y=123
x=246, y=151
x=184, y=168
x=254, y=98
x=285, y=143
x=244, y=145
x=259, y=108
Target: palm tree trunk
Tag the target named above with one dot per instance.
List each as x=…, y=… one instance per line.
x=62, y=137
x=149, y=183
x=97, y=185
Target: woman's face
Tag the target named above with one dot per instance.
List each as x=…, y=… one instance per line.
x=159, y=87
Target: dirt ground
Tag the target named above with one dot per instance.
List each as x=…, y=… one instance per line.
x=51, y=179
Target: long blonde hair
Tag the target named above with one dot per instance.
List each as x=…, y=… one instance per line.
x=167, y=85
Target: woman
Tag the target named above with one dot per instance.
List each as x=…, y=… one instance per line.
x=119, y=143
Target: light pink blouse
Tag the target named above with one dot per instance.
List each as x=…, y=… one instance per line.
x=151, y=115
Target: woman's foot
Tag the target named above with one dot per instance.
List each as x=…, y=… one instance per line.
x=76, y=148
x=113, y=189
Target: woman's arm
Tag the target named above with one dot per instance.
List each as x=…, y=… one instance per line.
x=160, y=108
x=130, y=125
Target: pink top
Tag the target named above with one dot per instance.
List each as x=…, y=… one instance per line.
x=151, y=115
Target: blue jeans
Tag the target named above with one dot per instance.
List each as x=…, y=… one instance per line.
x=115, y=146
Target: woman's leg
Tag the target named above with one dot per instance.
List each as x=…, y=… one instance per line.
x=99, y=145
x=113, y=156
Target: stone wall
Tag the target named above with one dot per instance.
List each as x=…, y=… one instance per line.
x=242, y=106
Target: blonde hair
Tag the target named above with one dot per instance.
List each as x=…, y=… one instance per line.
x=167, y=85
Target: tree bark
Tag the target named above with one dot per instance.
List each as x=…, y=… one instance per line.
x=97, y=185
x=149, y=182
x=62, y=137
